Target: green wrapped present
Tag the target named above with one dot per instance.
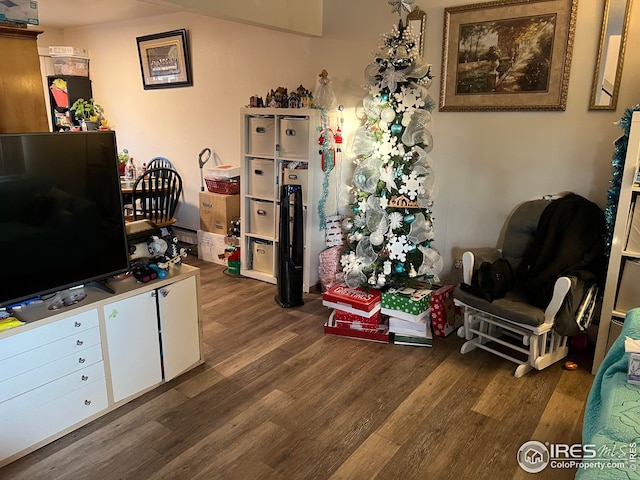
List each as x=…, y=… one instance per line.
x=410, y=300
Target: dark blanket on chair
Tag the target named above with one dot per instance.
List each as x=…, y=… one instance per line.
x=569, y=241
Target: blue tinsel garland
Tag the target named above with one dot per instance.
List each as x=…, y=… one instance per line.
x=617, y=164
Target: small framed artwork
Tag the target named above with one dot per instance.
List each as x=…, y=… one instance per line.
x=507, y=55
x=164, y=60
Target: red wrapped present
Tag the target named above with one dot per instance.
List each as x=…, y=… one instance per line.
x=445, y=316
x=352, y=300
x=379, y=334
x=351, y=320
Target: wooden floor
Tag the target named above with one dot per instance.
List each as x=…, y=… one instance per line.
x=277, y=399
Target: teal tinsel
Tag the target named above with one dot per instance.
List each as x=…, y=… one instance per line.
x=329, y=160
x=617, y=164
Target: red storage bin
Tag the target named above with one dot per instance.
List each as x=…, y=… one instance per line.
x=227, y=186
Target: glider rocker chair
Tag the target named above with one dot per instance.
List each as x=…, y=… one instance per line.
x=554, y=249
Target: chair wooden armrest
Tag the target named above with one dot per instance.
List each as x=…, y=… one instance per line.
x=560, y=290
x=473, y=258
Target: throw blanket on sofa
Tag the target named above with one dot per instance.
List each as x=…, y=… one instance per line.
x=612, y=414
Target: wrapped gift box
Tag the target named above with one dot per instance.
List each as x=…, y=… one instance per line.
x=445, y=316
x=380, y=334
x=351, y=320
x=352, y=300
x=406, y=327
x=408, y=300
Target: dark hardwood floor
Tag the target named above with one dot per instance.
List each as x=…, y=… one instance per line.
x=277, y=399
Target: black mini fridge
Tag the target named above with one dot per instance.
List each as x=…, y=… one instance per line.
x=290, y=248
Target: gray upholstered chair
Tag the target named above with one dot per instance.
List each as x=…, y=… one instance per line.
x=529, y=333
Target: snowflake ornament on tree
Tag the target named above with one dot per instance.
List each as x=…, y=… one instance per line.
x=389, y=242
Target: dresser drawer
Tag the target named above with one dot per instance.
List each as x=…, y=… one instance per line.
x=23, y=431
x=51, y=332
x=49, y=352
x=25, y=403
x=49, y=372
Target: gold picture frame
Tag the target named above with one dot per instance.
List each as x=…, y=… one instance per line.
x=164, y=60
x=417, y=20
x=507, y=55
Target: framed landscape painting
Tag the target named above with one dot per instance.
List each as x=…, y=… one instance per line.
x=507, y=55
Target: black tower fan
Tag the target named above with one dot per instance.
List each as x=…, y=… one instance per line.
x=291, y=248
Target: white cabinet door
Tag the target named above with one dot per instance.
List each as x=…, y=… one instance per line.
x=132, y=344
x=180, y=330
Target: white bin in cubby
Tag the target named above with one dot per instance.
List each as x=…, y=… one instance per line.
x=261, y=136
x=294, y=137
x=261, y=177
x=629, y=289
x=296, y=176
x=262, y=257
x=262, y=218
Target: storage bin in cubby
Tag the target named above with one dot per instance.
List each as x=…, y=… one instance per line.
x=295, y=173
x=294, y=137
x=261, y=177
x=261, y=135
x=261, y=218
x=262, y=256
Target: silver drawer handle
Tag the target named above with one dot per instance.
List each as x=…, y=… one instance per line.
x=84, y=378
x=77, y=324
x=293, y=177
x=81, y=360
x=261, y=130
x=79, y=342
x=87, y=402
x=290, y=132
x=260, y=250
x=262, y=213
x=258, y=172
x=164, y=292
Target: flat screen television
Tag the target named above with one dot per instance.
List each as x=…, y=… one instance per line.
x=61, y=217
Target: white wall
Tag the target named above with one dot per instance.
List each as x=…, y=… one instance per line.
x=487, y=161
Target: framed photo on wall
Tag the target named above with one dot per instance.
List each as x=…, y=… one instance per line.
x=507, y=55
x=164, y=60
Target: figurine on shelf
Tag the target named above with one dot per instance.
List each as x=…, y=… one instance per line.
x=324, y=97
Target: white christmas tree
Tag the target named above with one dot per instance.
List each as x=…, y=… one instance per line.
x=391, y=230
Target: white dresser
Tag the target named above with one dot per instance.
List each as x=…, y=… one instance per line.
x=66, y=367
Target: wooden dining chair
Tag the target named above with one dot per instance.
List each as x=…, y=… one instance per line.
x=159, y=162
x=155, y=196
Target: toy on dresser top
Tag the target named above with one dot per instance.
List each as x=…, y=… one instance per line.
x=152, y=259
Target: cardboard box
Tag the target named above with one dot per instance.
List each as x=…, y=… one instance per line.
x=352, y=300
x=445, y=316
x=409, y=300
x=217, y=211
x=20, y=11
x=212, y=247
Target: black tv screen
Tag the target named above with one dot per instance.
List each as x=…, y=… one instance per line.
x=61, y=220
